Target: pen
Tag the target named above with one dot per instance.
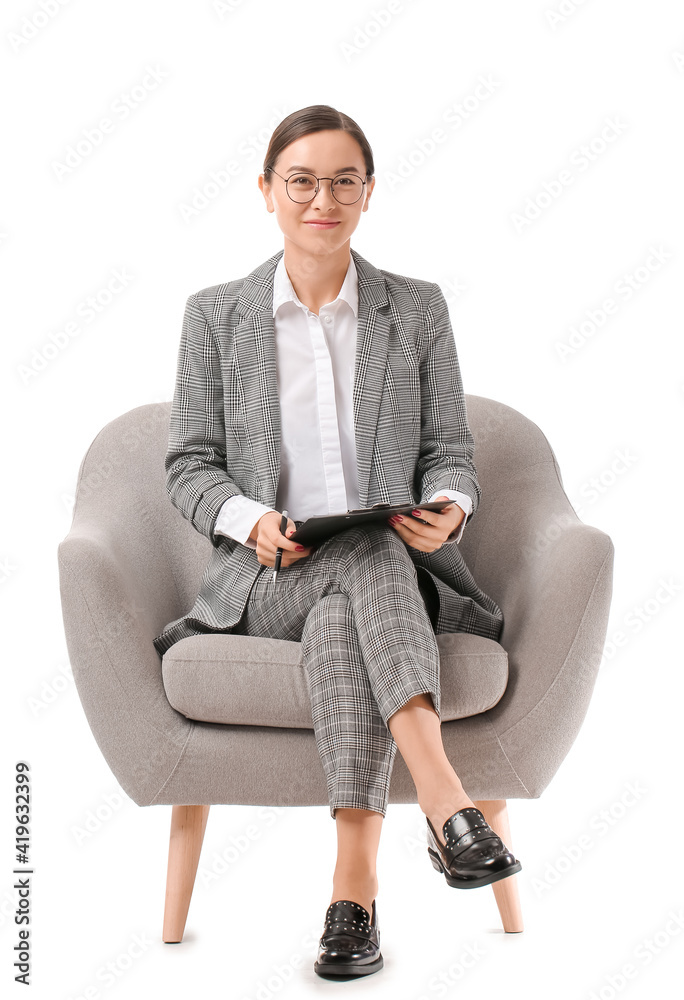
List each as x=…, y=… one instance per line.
x=279, y=552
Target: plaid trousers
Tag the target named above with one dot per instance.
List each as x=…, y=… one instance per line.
x=368, y=645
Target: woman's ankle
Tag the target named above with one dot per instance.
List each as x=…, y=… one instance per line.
x=438, y=806
x=362, y=893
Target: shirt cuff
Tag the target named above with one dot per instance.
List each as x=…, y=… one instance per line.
x=237, y=517
x=464, y=502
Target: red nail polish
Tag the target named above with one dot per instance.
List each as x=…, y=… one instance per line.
x=300, y=548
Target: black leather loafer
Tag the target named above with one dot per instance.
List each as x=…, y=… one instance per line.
x=472, y=854
x=350, y=943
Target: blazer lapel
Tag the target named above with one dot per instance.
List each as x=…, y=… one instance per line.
x=255, y=355
x=372, y=338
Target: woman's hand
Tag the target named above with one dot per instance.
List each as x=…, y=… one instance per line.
x=428, y=537
x=266, y=534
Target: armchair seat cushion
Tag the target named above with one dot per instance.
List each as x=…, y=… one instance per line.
x=252, y=681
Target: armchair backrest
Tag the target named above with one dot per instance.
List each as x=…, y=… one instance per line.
x=522, y=492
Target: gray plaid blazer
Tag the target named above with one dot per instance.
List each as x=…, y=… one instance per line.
x=412, y=434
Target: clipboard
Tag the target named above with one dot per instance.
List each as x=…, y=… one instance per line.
x=318, y=528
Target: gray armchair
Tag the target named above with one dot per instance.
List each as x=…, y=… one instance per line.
x=227, y=719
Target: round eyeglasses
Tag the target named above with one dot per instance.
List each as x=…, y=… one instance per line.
x=302, y=188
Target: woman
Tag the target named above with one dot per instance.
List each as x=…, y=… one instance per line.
x=319, y=384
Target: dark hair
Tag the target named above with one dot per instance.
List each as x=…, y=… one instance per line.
x=315, y=118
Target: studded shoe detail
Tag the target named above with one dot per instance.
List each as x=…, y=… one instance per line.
x=472, y=854
x=350, y=943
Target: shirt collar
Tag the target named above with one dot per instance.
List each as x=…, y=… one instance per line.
x=284, y=292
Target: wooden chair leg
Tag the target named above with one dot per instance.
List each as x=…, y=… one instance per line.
x=506, y=890
x=188, y=824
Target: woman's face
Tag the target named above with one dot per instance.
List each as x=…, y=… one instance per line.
x=324, y=154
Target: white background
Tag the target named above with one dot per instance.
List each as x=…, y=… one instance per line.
x=611, y=408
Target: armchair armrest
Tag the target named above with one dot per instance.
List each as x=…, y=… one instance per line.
x=551, y=575
x=113, y=605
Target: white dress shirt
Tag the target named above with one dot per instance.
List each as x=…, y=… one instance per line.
x=315, y=358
